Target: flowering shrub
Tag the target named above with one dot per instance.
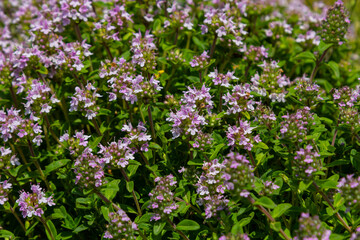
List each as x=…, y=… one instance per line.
x=174, y=119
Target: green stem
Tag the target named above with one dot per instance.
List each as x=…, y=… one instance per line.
x=213, y=46
x=332, y=206
x=317, y=64
x=38, y=165
x=18, y=219
x=268, y=215
x=42, y=220
x=253, y=162
x=176, y=230
x=151, y=124
x=127, y=179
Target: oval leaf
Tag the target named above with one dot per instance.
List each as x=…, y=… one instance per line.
x=188, y=225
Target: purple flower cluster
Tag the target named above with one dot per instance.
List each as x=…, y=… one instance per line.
x=278, y=29
x=7, y=159
x=144, y=49
x=12, y=125
x=176, y=57
x=223, y=22
x=211, y=188
x=202, y=141
x=39, y=98
x=311, y=229
x=198, y=100
x=264, y=115
x=306, y=163
x=238, y=174
x=75, y=144
x=296, y=126
x=117, y=154
x=255, y=54
x=5, y=187
x=137, y=138
x=89, y=170
x=335, y=25
x=307, y=91
x=200, y=62
x=271, y=82
x=239, y=236
x=76, y=10
x=84, y=100
x=239, y=100
x=355, y=235
x=241, y=136
x=120, y=226
x=222, y=79
x=349, y=187
x=33, y=204
x=269, y=187
x=179, y=17
x=162, y=198
x=309, y=38
x=346, y=96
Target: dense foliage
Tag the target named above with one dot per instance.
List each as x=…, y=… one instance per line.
x=174, y=119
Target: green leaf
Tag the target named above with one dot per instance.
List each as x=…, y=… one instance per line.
x=55, y=165
x=130, y=186
x=265, y=202
x=276, y=226
x=334, y=67
x=52, y=229
x=111, y=189
x=43, y=70
x=154, y=145
x=188, y=225
x=216, y=151
x=6, y=234
x=158, y=227
x=105, y=213
x=280, y=209
x=198, y=43
x=306, y=56
x=323, y=46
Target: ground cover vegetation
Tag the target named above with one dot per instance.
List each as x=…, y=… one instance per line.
x=222, y=119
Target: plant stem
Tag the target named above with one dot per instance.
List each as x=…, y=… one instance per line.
x=141, y=113
x=176, y=230
x=127, y=179
x=220, y=98
x=42, y=220
x=105, y=199
x=332, y=206
x=332, y=144
x=77, y=32
x=200, y=76
x=213, y=46
x=50, y=130
x=13, y=96
x=268, y=215
x=96, y=127
x=18, y=219
x=108, y=50
x=151, y=124
x=176, y=36
x=37, y=164
x=253, y=162
x=317, y=64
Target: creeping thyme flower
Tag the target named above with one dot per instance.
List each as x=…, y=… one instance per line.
x=238, y=174
x=117, y=154
x=307, y=91
x=349, y=187
x=176, y=57
x=239, y=236
x=222, y=79
x=309, y=38
x=137, y=138
x=199, y=100
x=264, y=115
x=187, y=121
x=255, y=54
x=39, y=98
x=296, y=126
x=239, y=99
x=271, y=82
x=335, y=25
x=306, y=163
x=355, y=235
x=311, y=229
x=179, y=17
x=144, y=49
x=269, y=187
x=162, y=198
x=202, y=141
x=349, y=116
x=7, y=159
x=278, y=29
x=89, y=170
x=77, y=10
x=33, y=204
x=5, y=187
x=200, y=62
x=75, y=144
x=84, y=100
x=120, y=226
x=211, y=188
x=346, y=97
x=241, y=136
